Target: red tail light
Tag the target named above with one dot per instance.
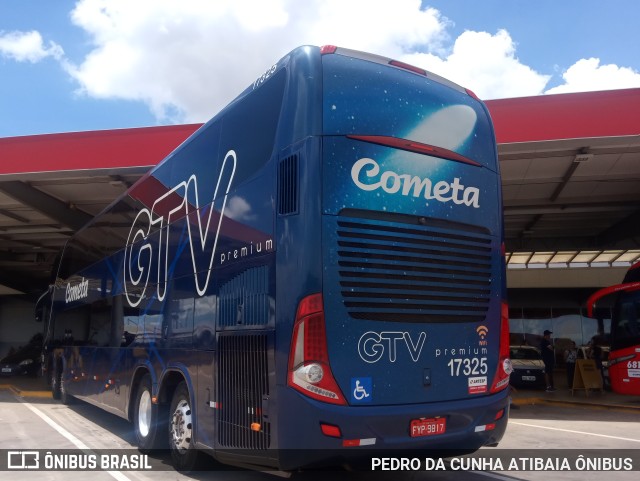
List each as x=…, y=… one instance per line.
x=309, y=370
x=328, y=49
x=473, y=95
x=416, y=147
x=504, y=369
x=406, y=66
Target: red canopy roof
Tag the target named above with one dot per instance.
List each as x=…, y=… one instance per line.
x=527, y=119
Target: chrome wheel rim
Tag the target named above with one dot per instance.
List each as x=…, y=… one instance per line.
x=144, y=414
x=181, y=426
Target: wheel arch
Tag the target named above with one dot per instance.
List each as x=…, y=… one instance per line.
x=170, y=379
x=162, y=388
x=139, y=372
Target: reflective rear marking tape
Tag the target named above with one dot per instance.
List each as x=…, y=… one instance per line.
x=358, y=442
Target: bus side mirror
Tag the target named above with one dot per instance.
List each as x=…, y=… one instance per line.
x=41, y=304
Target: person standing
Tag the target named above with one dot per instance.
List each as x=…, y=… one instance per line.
x=570, y=356
x=549, y=359
x=595, y=353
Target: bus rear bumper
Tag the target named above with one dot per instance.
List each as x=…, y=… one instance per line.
x=371, y=431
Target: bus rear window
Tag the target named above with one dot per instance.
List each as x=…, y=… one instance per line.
x=367, y=98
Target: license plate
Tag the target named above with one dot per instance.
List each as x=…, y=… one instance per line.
x=428, y=427
x=528, y=378
x=6, y=369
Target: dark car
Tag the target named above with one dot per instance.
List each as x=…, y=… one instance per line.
x=528, y=367
x=25, y=360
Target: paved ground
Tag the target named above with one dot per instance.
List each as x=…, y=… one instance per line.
x=559, y=421
x=30, y=388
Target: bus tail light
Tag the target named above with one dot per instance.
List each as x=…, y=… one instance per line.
x=410, y=68
x=328, y=49
x=417, y=147
x=473, y=95
x=330, y=430
x=309, y=370
x=504, y=369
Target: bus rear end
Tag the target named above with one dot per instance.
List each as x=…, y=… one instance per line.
x=406, y=346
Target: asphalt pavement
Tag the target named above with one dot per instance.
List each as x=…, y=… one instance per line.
x=541, y=422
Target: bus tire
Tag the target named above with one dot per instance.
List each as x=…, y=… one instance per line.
x=55, y=377
x=147, y=417
x=65, y=397
x=183, y=451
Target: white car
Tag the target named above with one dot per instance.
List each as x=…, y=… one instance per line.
x=528, y=367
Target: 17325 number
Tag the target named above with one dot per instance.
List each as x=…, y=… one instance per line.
x=474, y=366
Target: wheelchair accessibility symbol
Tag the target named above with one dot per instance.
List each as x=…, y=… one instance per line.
x=361, y=390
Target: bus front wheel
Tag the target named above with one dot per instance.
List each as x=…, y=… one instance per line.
x=183, y=451
x=147, y=417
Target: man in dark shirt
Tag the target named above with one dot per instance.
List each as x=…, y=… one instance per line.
x=549, y=359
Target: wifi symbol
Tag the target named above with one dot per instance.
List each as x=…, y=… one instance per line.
x=482, y=331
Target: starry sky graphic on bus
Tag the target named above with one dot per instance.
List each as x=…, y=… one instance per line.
x=371, y=99
x=449, y=127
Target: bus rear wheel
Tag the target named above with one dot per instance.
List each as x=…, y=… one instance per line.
x=55, y=379
x=65, y=397
x=147, y=417
x=183, y=451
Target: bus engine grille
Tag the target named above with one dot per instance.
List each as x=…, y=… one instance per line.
x=400, y=268
x=243, y=384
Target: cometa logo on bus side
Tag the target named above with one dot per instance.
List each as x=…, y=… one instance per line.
x=77, y=292
x=407, y=184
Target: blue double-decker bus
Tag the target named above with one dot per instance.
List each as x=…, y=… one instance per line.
x=317, y=270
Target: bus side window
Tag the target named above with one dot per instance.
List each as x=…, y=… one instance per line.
x=100, y=324
x=133, y=327
x=630, y=318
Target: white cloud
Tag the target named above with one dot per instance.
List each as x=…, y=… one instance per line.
x=587, y=75
x=239, y=209
x=27, y=47
x=186, y=59
x=387, y=28
x=486, y=64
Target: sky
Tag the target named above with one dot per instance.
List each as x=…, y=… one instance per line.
x=68, y=66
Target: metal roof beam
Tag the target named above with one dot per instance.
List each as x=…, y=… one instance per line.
x=570, y=208
x=14, y=216
x=549, y=244
x=45, y=204
x=565, y=180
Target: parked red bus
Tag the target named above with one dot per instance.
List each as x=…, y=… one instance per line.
x=624, y=358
